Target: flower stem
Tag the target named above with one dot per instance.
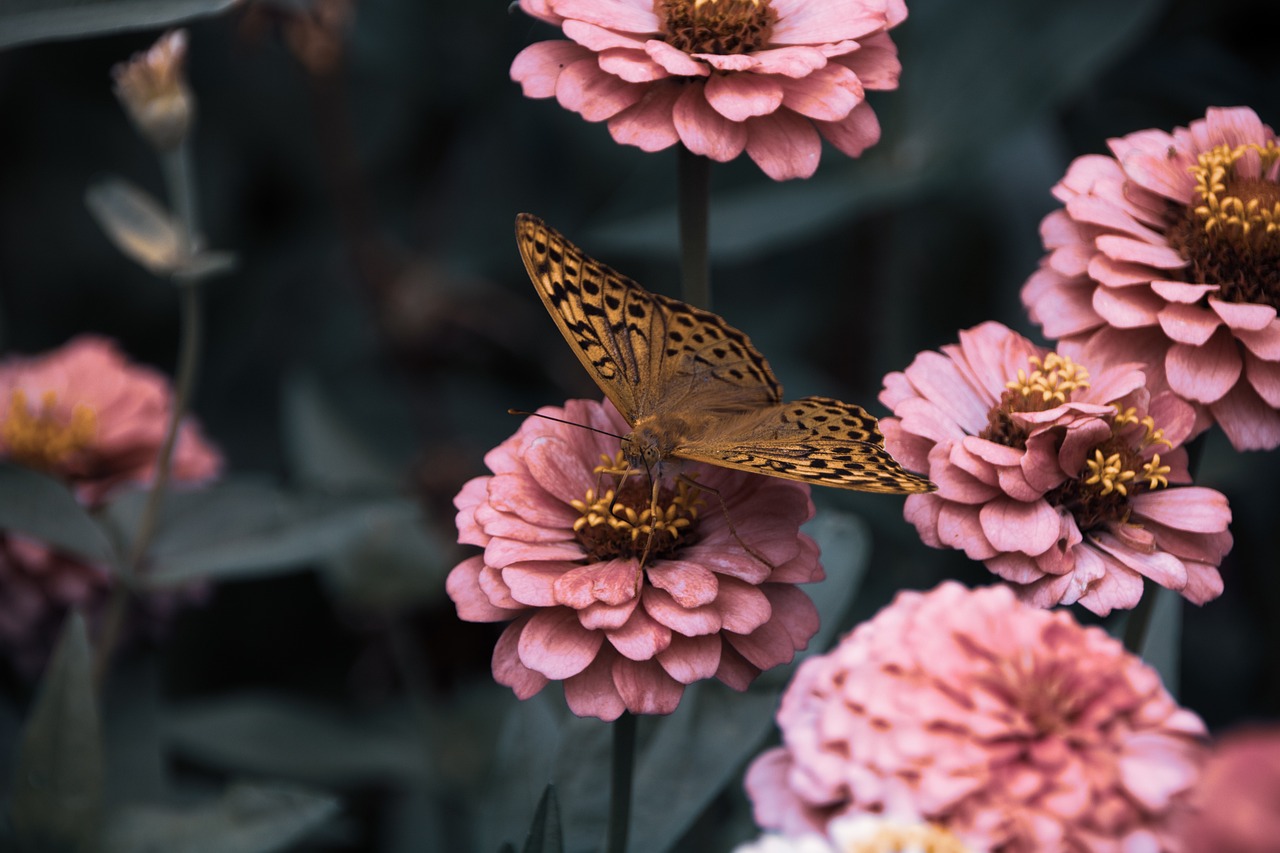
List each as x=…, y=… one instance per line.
x=177, y=169
x=693, y=174
x=623, y=767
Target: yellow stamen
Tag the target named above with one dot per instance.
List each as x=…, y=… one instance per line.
x=1054, y=378
x=41, y=438
x=1246, y=219
x=1154, y=474
x=1109, y=472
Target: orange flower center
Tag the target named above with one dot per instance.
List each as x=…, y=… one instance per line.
x=616, y=518
x=716, y=26
x=40, y=437
x=1231, y=233
x=1117, y=467
x=885, y=837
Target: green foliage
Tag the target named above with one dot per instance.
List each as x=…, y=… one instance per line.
x=39, y=506
x=24, y=21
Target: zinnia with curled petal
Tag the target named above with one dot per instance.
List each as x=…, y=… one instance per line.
x=1012, y=727
x=1064, y=480
x=624, y=619
x=1168, y=253
x=771, y=77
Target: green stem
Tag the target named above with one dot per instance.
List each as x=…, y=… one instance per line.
x=177, y=169
x=693, y=175
x=622, y=771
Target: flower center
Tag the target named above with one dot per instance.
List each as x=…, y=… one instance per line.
x=617, y=519
x=38, y=437
x=1231, y=234
x=1050, y=383
x=894, y=838
x=716, y=26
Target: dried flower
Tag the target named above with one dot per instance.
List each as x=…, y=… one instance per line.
x=1064, y=478
x=1168, y=253
x=625, y=608
x=1012, y=727
x=152, y=86
x=771, y=77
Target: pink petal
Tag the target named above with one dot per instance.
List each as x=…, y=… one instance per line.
x=1096, y=211
x=1118, y=588
x=828, y=94
x=463, y=587
x=788, y=61
x=594, y=94
x=1127, y=308
x=1009, y=525
x=648, y=124
x=743, y=607
x=555, y=644
x=705, y=131
x=686, y=621
x=641, y=637
x=674, y=60
x=592, y=693
x=738, y=97
x=766, y=647
x=938, y=379
x=1204, y=583
x=1188, y=324
x=507, y=668
x=1165, y=569
x=645, y=687
x=690, y=584
x=1206, y=373
x=1191, y=508
x=1178, y=291
x=690, y=659
x=854, y=133
x=1117, y=273
x=606, y=617
x=784, y=145
x=1264, y=376
x=1015, y=567
x=598, y=39
x=922, y=511
x=1240, y=315
x=1265, y=343
x=875, y=62
x=1248, y=421
x=538, y=66
x=960, y=528
x=1140, y=252
x=634, y=66
x=612, y=14
x=829, y=21
x=794, y=611
x=1061, y=307
x=614, y=582
x=734, y=669
x=501, y=553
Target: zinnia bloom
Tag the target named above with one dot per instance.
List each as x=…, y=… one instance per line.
x=564, y=531
x=1168, y=253
x=1236, y=803
x=771, y=77
x=83, y=414
x=1061, y=482
x=1012, y=727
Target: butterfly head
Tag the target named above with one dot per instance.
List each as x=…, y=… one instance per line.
x=649, y=449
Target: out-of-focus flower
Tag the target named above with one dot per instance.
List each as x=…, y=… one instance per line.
x=771, y=77
x=863, y=834
x=83, y=414
x=1168, y=253
x=1012, y=727
x=1061, y=482
x=1236, y=803
x=564, y=532
x=153, y=88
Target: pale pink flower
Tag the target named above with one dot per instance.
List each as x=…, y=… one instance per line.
x=1236, y=803
x=1012, y=727
x=1168, y=253
x=562, y=557
x=771, y=77
x=85, y=415
x=1063, y=483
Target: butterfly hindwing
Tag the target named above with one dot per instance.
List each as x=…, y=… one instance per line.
x=646, y=351
x=816, y=440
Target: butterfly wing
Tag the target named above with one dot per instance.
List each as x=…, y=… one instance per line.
x=647, y=352
x=816, y=440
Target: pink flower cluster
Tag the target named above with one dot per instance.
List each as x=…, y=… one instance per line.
x=771, y=77
x=1065, y=483
x=1168, y=253
x=1012, y=727
x=624, y=618
x=85, y=416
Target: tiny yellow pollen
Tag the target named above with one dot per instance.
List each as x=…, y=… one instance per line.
x=41, y=437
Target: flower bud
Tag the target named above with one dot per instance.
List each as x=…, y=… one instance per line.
x=153, y=88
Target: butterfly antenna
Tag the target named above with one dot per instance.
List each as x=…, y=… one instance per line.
x=563, y=421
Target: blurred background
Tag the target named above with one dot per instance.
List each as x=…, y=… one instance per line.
x=364, y=160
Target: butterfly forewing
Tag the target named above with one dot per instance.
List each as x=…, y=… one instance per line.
x=647, y=352
x=817, y=440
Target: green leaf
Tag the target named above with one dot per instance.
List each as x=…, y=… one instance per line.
x=57, y=781
x=325, y=451
x=241, y=528
x=247, y=819
x=398, y=563
x=23, y=21
x=545, y=834
x=39, y=506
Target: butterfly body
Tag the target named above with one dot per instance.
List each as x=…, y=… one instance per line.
x=693, y=387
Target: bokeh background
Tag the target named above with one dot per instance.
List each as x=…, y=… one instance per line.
x=365, y=162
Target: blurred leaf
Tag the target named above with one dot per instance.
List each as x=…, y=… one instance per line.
x=139, y=225
x=545, y=835
x=57, y=781
x=39, y=506
x=24, y=21
x=263, y=734
x=971, y=72
x=239, y=529
x=325, y=452
x=845, y=544
x=247, y=819
x=397, y=564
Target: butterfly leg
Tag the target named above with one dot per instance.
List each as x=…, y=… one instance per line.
x=728, y=520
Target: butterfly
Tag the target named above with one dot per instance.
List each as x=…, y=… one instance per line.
x=692, y=387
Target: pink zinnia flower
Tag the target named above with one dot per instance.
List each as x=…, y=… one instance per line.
x=1012, y=727
x=1236, y=803
x=83, y=414
x=563, y=543
x=1168, y=253
x=771, y=77
x=1061, y=482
